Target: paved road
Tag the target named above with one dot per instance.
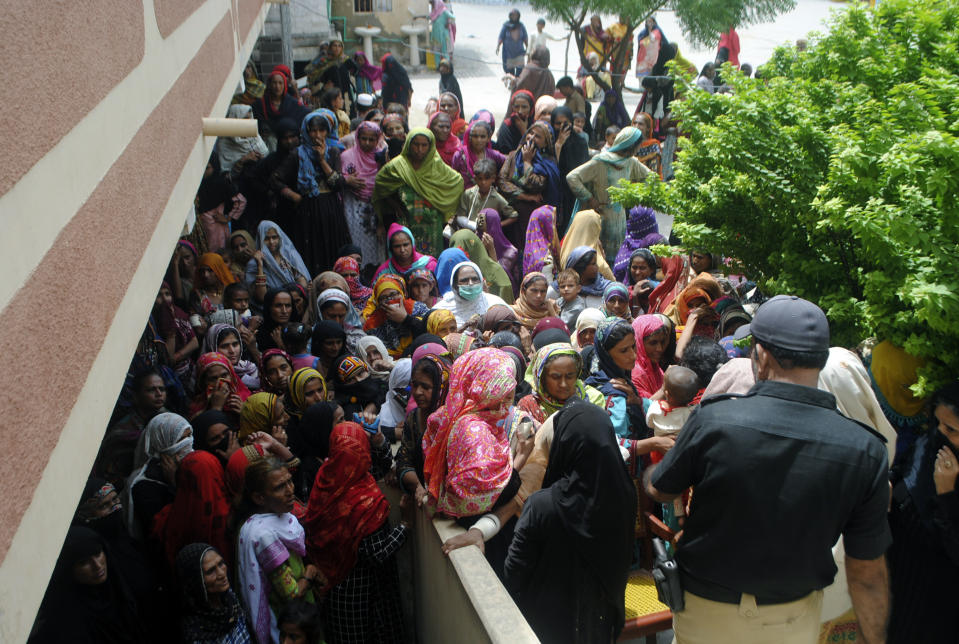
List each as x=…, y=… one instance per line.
x=479, y=70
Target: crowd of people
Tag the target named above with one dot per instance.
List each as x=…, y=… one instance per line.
x=461, y=311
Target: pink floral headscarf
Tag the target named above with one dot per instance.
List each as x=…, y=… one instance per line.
x=466, y=449
x=539, y=238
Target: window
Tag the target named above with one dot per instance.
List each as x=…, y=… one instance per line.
x=370, y=6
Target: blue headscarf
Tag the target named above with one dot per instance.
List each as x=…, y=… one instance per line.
x=544, y=163
x=306, y=176
x=445, y=264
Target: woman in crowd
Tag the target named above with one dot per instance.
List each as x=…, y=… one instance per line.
x=276, y=368
x=445, y=263
x=451, y=105
x=368, y=78
x=543, y=109
x=542, y=241
x=530, y=178
x=88, y=600
x=616, y=301
x=277, y=103
x=591, y=181
x=212, y=276
x=441, y=322
x=651, y=338
x=477, y=144
x=217, y=386
x=254, y=87
x=167, y=439
x=351, y=542
x=536, y=77
x=329, y=343
x=650, y=152
x=396, y=82
x=225, y=339
x=429, y=385
x=395, y=130
x=587, y=262
x=334, y=304
x=513, y=128
x=572, y=151
x=391, y=316
x=264, y=412
x=236, y=152
x=199, y=509
x=497, y=280
x=173, y=326
x=270, y=547
x=360, y=165
x=349, y=269
x=277, y=312
x=586, y=325
x=403, y=256
x=447, y=144
x=504, y=252
x=585, y=231
x=924, y=556
x=371, y=350
x=468, y=469
x=419, y=190
x=320, y=226
x=569, y=561
x=211, y=611
x=466, y=296
x=448, y=82
x=555, y=380
x=611, y=112
x=532, y=305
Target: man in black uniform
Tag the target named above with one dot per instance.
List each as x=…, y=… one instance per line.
x=779, y=474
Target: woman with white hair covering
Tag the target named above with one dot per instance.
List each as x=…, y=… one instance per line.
x=393, y=411
x=165, y=440
x=239, y=150
x=466, y=296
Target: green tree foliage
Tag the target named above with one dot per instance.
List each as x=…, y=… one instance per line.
x=836, y=177
x=701, y=20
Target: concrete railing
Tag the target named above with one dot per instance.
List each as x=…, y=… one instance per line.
x=456, y=597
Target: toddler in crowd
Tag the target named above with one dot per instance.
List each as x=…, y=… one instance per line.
x=296, y=337
x=666, y=418
x=481, y=196
x=579, y=125
x=570, y=304
x=611, y=133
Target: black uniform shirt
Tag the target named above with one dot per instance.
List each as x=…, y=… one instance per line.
x=778, y=474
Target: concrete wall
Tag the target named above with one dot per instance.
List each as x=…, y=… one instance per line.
x=103, y=154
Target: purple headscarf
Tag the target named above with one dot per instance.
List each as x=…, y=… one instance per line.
x=640, y=224
x=539, y=237
x=506, y=254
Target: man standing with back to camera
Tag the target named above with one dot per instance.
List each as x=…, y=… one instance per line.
x=779, y=474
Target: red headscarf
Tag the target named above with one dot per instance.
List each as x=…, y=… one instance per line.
x=532, y=103
x=199, y=510
x=647, y=375
x=345, y=504
x=448, y=147
x=676, y=271
x=359, y=294
x=268, y=110
x=203, y=363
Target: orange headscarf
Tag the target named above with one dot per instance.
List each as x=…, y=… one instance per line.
x=216, y=264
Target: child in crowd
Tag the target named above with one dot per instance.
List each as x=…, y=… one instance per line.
x=666, y=417
x=481, y=196
x=296, y=337
x=299, y=621
x=611, y=133
x=579, y=125
x=570, y=304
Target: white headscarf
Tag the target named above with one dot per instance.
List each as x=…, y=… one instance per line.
x=233, y=148
x=160, y=436
x=845, y=377
x=462, y=308
x=588, y=319
x=373, y=342
x=393, y=411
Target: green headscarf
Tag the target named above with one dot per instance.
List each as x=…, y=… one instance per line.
x=534, y=375
x=494, y=274
x=435, y=181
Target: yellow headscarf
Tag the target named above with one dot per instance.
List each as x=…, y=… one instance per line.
x=584, y=231
x=298, y=386
x=894, y=371
x=437, y=319
x=257, y=414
